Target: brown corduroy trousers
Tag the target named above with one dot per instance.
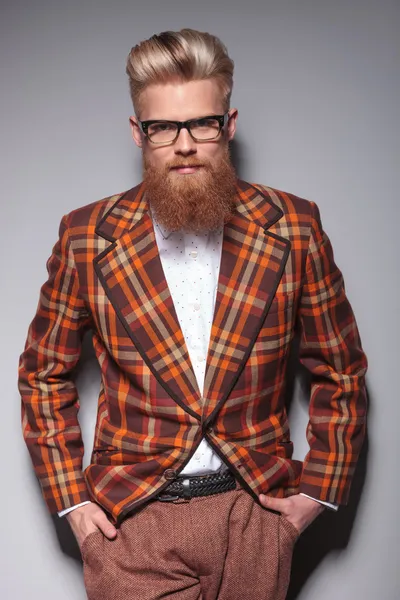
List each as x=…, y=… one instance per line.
x=223, y=546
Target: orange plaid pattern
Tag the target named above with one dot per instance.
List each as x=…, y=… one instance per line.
x=277, y=276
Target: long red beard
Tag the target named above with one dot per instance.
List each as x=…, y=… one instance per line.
x=198, y=202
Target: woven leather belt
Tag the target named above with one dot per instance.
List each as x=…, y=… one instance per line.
x=200, y=485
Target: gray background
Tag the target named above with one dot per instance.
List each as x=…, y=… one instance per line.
x=322, y=81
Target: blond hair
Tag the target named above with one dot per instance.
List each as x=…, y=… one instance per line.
x=182, y=56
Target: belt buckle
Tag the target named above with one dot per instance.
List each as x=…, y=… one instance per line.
x=187, y=490
x=184, y=496
x=167, y=498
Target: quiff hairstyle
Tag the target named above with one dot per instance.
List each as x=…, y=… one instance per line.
x=179, y=56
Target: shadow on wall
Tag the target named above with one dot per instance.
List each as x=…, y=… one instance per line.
x=331, y=531
x=238, y=157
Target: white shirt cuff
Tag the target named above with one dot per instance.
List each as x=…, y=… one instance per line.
x=71, y=508
x=328, y=504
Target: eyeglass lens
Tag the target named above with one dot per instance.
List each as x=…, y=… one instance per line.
x=201, y=129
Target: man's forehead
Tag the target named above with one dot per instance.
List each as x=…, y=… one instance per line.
x=181, y=101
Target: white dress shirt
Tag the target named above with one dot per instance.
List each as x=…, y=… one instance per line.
x=191, y=264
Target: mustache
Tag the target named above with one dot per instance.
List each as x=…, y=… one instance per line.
x=183, y=163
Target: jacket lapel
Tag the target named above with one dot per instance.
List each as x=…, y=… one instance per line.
x=131, y=273
x=252, y=264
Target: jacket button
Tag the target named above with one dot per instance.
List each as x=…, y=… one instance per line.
x=169, y=474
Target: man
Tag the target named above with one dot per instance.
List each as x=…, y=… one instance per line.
x=193, y=283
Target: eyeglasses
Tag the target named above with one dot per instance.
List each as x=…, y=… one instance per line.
x=167, y=132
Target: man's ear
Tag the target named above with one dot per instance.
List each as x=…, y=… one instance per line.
x=137, y=133
x=231, y=126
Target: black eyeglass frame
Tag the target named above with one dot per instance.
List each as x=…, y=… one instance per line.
x=184, y=125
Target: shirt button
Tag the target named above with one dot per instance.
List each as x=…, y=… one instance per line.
x=200, y=358
x=169, y=474
x=193, y=253
x=196, y=306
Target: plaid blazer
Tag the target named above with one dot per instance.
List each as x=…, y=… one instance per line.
x=277, y=276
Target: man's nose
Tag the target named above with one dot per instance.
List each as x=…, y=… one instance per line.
x=185, y=144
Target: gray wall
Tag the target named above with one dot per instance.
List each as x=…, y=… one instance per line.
x=322, y=79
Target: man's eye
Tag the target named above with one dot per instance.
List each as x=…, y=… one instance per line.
x=162, y=127
x=204, y=123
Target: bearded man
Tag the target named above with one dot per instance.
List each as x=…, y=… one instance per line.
x=193, y=283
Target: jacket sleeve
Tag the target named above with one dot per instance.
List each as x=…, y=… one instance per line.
x=330, y=348
x=49, y=397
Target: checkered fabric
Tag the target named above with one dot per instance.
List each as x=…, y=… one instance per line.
x=277, y=276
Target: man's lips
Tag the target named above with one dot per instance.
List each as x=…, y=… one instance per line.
x=186, y=168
